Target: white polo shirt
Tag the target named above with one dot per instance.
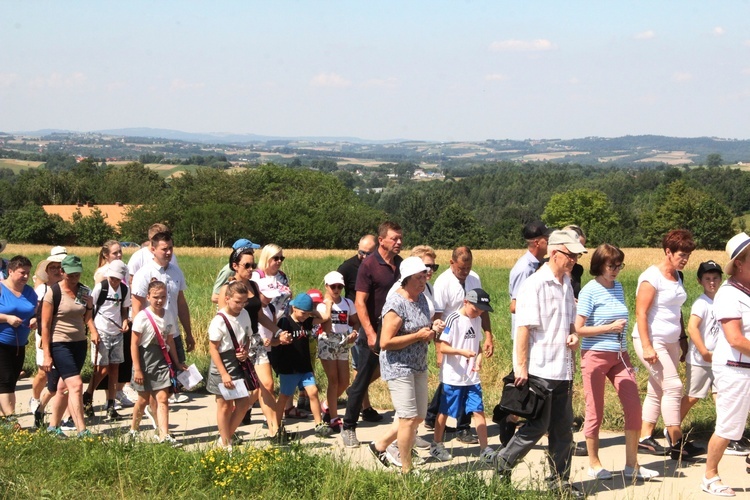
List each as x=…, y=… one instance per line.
x=174, y=279
x=448, y=292
x=547, y=308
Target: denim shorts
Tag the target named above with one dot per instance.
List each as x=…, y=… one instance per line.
x=288, y=382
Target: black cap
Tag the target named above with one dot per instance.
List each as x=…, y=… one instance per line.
x=479, y=298
x=708, y=267
x=535, y=230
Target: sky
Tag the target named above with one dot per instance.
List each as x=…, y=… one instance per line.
x=380, y=70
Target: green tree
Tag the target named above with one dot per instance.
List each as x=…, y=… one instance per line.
x=456, y=226
x=714, y=160
x=588, y=208
x=679, y=206
x=31, y=224
x=92, y=230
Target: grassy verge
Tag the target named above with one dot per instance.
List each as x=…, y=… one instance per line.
x=36, y=465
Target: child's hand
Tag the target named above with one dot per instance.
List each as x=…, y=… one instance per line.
x=226, y=379
x=94, y=337
x=438, y=325
x=267, y=342
x=183, y=366
x=468, y=353
x=477, y=365
x=125, y=326
x=138, y=377
x=352, y=337
x=708, y=357
x=285, y=338
x=242, y=353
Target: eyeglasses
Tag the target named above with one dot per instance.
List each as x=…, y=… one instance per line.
x=278, y=258
x=54, y=268
x=250, y=265
x=572, y=256
x=336, y=287
x=363, y=253
x=434, y=267
x=615, y=267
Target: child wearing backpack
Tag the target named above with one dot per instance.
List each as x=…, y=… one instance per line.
x=154, y=361
x=111, y=303
x=229, y=335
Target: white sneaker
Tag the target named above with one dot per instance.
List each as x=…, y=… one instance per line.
x=133, y=435
x=168, y=439
x=33, y=404
x=394, y=456
x=151, y=418
x=178, y=398
x=220, y=444
x=639, y=473
x=131, y=393
x=438, y=451
x=124, y=400
x=601, y=473
x=487, y=456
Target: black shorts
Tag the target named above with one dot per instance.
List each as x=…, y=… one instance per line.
x=11, y=364
x=68, y=359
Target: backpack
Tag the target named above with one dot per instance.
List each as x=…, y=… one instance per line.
x=103, y=296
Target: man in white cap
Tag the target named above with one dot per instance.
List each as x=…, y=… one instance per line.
x=543, y=349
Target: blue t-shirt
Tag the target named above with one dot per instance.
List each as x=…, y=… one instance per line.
x=23, y=307
x=602, y=306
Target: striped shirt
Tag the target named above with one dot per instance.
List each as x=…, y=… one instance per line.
x=601, y=306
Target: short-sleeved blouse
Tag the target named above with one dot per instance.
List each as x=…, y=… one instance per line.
x=412, y=358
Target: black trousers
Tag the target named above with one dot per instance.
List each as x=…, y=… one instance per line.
x=368, y=363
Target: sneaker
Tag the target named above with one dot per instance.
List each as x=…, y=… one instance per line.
x=640, y=473
x=68, y=425
x=652, y=447
x=465, y=436
x=601, y=474
x=88, y=405
x=124, y=400
x=487, y=456
x=429, y=425
x=283, y=437
x=336, y=425
x=438, y=452
x=112, y=415
x=421, y=443
x=147, y=413
x=85, y=433
x=566, y=490
x=349, y=438
x=168, y=439
x=178, y=398
x=685, y=451
x=379, y=455
x=323, y=430
x=326, y=416
x=220, y=444
x=248, y=418
x=133, y=435
x=737, y=448
x=57, y=432
x=33, y=404
x=38, y=419
x=370, y=415
x=580, y=450
x=394, y=456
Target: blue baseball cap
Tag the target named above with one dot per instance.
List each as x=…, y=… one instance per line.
x=302, y=301
x=244, y=243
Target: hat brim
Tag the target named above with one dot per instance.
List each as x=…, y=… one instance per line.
x=271, y=293
x=56, y=258
x=73, y=269
x=576, y=247
x=336, y=283
x=484, y=307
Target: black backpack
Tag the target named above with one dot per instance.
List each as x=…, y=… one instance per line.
x=103, y=296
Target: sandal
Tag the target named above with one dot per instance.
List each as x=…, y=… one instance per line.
x=713, y=487
x=295, y=412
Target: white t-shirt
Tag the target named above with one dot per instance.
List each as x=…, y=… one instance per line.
x=109, y=315
x=461, y=332
x=40, y=290
x=217, y=330
x=731, y=303
x=665, y=311
x=703, y=307
x=449, y=293
x=141, y=257
x=547, y=308
x=174, y=279
x=142, y=325
x=264, y=332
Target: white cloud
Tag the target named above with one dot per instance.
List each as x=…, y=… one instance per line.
x=386, y=83
x=719, y=31
x=522, y=45
x=7, y=79
x=682, y=76
x=645, y=35
x=496, y=77
x=574, y=81
x=180, y=84
x=58, y=80
x=329, y=80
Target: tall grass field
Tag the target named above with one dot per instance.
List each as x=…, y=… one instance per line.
x=47, y=459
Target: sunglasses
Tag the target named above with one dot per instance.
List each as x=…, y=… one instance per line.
x=434, y=267
x=336, y=287
x=250, y=265
x=571, y=256
x=363, y=253
x=278, y=258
